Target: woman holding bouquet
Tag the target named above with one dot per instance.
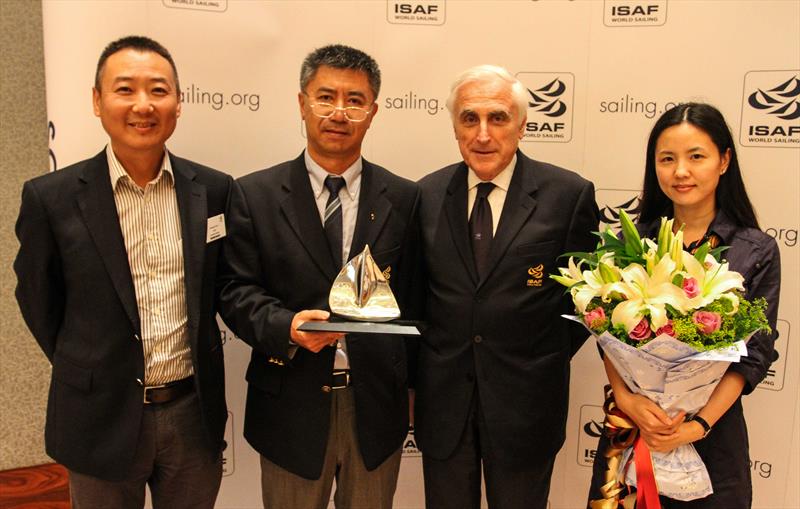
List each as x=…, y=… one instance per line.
x=692, y=175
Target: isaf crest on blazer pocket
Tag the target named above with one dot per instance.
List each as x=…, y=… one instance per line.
x=535, y=275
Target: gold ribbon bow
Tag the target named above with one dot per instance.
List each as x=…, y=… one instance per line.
x=621, y=433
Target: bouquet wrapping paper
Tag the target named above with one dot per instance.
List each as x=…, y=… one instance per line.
x=676, y=377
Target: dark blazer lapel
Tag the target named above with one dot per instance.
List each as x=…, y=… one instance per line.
x=96, y=203
x=455, y=206
x=518, y=207
x=193, y=210
x=373, y=209
x=301, y=212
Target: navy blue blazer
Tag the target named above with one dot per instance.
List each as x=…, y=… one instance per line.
x=76, y=294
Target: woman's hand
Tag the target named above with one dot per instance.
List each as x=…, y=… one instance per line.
x=651, y=420
x=655, y=426
x=686, y=433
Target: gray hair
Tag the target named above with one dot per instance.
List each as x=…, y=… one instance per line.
x=340, y=56
x=489, y=73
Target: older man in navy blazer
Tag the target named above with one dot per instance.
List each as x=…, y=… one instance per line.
x=116, y=280
x=493, y=377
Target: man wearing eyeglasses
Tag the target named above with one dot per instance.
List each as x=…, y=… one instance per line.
x=322, y=406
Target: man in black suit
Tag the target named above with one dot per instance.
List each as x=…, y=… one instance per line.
x=321, y=406
x=116, y=280
x=493, y=377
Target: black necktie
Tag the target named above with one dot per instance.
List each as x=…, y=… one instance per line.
x=480, y=227
x=333, y=217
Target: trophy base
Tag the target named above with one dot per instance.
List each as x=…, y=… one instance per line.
x=401, y=327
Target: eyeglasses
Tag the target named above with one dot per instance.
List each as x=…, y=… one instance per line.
x=352, y=113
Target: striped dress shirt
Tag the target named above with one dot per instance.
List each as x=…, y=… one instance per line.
x=151, y=227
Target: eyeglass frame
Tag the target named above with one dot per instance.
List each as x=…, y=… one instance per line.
x=344, y=109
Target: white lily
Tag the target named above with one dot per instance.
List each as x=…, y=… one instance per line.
x=669, y=243
x=588, y=284
x=571, y=275
x=650, y=255
x=676, y=251
x=648, y=293
x=583, y=294
x=714, y=279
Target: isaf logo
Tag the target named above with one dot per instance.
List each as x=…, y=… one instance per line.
x=200, y=5
x=776, y=373
x=410, y=445
x=771, y=109
x=550, y=100
x=405, y=12
x=624, y=13
x=536, y=274
x=228, y=454
x=591, y=424
x=611, y=201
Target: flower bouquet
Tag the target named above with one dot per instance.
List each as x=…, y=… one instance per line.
x=670, y=322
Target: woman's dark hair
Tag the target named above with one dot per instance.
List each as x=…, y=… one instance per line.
x=731, y=196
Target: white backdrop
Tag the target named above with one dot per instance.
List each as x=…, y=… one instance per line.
x=621, y=63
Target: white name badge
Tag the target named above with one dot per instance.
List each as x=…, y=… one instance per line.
x=215, y=229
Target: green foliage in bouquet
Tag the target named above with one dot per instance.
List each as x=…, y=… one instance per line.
x=637, y=289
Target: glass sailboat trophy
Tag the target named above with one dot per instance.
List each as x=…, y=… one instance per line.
x=362, y=301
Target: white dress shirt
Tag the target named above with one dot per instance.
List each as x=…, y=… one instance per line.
x=497, y=198
x=349, y=198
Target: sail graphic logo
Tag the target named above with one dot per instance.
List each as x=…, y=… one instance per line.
x=771, y=109
x=550, y=100
x=611, y=201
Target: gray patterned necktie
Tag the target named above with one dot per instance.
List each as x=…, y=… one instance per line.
x=333, y=218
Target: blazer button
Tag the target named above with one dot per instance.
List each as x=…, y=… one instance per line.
x=136, y=337
x=139, y=381
x=478, y=338
x=326, y=388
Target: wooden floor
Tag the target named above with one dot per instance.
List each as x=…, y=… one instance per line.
x=40, y=487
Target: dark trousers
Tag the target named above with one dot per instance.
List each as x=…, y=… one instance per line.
x=172, y=457
x=455, y=482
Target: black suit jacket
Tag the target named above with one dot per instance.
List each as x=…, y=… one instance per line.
x=280, y=263
x=503, y=333
x=76, y=293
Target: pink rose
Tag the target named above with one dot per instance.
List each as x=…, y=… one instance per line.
x=707, y=321
x=666, y=329
x=641, y=331
x=594, y=318
x=690, y=287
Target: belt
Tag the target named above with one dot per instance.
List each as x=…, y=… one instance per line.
x=171, y=391
x=341, y=379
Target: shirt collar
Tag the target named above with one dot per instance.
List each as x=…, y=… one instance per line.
x=117, y=171
x=722, y=227
x=317, y=175
x=501, y=180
